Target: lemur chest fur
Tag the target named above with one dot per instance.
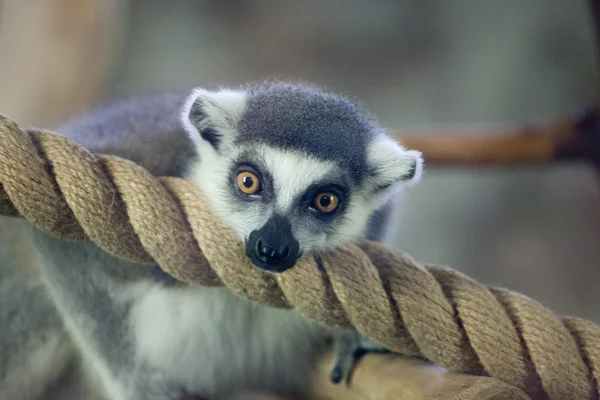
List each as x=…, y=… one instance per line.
x=195, y=335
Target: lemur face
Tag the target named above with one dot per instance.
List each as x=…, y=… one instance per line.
x=291, y=169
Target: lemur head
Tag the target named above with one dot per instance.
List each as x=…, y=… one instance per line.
x=292, y=168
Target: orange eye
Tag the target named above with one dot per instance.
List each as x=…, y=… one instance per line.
x=248, y=183
x=326, y=202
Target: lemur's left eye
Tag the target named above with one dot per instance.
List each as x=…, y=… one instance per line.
x=248, y=183
x=326, y=202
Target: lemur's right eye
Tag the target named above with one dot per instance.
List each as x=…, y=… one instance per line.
x=326, y=202
x=248, y=182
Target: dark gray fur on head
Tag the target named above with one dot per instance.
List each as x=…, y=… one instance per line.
x=308, y=119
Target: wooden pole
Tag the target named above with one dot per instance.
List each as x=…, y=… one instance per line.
x=573, y=138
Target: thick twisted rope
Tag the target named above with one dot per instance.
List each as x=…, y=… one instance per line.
x=433, y=311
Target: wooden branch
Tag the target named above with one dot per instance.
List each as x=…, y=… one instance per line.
x=576, y=137
x=392, y=377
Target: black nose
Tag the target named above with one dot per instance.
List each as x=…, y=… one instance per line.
x=271, y=254
x=273, y=247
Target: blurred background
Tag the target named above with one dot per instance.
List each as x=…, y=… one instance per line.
x=535, y=230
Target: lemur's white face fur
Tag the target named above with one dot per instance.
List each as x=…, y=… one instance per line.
x=292, y=168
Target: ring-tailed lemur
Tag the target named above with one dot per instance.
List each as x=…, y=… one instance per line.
x=292, y=169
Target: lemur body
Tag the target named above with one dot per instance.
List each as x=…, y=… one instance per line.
x=291, y=169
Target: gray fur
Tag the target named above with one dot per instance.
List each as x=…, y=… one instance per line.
x=145, y=130
x=206, y=341
x=32, y=338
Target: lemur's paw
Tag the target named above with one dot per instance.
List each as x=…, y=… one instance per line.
x=349, y=347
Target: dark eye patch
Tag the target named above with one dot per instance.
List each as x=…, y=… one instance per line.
x=307, y=199
x=251, y=162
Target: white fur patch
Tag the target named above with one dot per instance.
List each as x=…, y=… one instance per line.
x=392, y=161
x=200, y=336
x=293, y=172
x=223, y=108
x=210, y=174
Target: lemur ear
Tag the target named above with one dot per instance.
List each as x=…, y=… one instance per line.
x=390, y=163
x=210, y=117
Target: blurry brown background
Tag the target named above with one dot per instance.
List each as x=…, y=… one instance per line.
x=534, y=230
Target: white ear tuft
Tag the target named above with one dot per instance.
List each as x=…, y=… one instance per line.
x=210, y=116
x=390, y=163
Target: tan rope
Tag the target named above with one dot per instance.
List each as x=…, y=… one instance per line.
x=433, y=311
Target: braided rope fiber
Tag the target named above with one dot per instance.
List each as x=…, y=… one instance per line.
x=432, y=311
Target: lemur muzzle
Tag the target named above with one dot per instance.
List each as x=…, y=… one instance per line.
x=273, y=247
